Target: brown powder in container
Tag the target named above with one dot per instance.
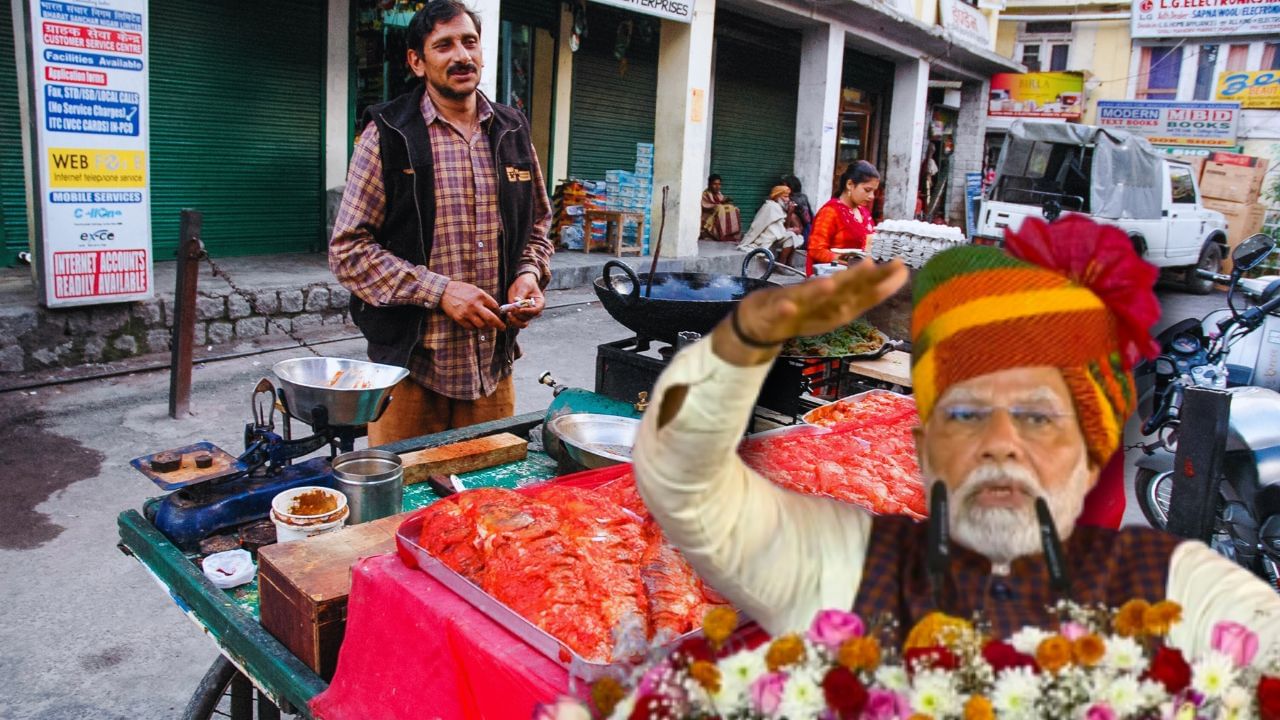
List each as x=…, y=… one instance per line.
x=313, y=502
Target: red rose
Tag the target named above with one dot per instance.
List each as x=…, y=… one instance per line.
x=1170, y=669
x=1002, y=656
x=694, y=649
x=931, y=658
x=1269, y=697
x=844, y=693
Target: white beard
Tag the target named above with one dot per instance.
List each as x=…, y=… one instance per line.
x=1002, y=534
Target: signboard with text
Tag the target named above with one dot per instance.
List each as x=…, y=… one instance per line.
x=678, y=10
x=1203, y=18
x=89, y=95
x=1037, y=95
x=1253, y=90
x=1193, y=124
x=966, y=22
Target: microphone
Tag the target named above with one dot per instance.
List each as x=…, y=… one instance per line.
x=1054, y=557
x=938, y=559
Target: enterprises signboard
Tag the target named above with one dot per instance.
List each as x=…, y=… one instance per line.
x=678, y=10
x=1196, y=124
x=1200, y=18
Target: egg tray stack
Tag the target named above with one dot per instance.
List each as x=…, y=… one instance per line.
x=912, y=242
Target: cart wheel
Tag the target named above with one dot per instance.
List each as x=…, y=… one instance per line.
x=224, y=693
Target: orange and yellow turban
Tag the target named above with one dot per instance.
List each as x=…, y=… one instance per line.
x=1072, y=295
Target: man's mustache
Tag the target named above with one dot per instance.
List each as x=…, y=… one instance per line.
x=1015, y=476
x=461, y=68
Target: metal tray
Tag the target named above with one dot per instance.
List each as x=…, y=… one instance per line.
x=886, y=345
x=808, y=417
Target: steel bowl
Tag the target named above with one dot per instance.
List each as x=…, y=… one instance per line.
x=352, y=391
x=595, y=441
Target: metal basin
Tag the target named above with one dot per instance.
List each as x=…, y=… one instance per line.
x=595, y=441
x=677, y=302
x=352, y=391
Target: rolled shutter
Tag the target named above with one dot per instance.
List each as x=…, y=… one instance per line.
x=13, y=191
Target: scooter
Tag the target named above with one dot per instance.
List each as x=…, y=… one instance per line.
x=1236, y=351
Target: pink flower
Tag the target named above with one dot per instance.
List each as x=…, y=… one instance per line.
x=1073, y=631
x=831, y=628
x=766, y=692
x=1236, y=641
x=885, y=705
x=1100, y=711
x=653, y=678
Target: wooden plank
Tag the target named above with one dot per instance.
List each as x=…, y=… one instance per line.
x=894, y=367
x=463, y=457
x=516, y=425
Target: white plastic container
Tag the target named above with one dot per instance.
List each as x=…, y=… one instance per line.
x=292, y=526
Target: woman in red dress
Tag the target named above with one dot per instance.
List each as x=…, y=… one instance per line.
x=845, y=221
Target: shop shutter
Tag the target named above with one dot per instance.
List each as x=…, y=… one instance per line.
x=13, y=192
x=612, y=111
x=237, y=113
x=753, y=131
x=538, y=13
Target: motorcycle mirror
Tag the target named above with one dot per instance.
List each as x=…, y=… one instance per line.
x=1252, y=251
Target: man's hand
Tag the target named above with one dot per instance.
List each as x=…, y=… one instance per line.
x=470, y=307
x=525, y=287
x=811, y=308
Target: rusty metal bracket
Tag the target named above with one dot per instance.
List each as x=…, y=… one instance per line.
x=190, y=251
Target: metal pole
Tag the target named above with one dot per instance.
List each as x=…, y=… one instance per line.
x=190, y=250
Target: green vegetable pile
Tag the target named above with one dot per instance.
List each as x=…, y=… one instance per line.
x=857, y=338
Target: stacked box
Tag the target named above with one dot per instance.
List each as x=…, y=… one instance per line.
x=1231, y=184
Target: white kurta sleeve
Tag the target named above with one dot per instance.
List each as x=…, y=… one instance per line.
x=1211, y=588
x=778, y=556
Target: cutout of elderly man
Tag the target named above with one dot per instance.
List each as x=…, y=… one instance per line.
x=1021, y=371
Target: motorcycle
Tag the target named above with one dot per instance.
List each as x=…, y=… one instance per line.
x=1236, y=351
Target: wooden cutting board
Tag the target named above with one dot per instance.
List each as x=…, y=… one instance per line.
x=463, y=457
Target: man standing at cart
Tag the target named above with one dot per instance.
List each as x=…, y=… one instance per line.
x=442, y=235
x=1021, y=370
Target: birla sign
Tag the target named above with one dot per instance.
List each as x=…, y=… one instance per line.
x=1202, y=18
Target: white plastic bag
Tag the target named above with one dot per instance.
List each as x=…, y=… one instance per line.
x=229, y=569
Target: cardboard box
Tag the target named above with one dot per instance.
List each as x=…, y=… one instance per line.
x=1243, y=220
x=1230, y=158
x=1234, y=183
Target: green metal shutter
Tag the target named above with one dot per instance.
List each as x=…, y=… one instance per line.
x=753, y=131
x=237, y=123
x=13, y=190
x=612, y=111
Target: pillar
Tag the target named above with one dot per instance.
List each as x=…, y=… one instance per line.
x=906, y=137
x=971, y=133
x=818, y=109
x=338, y=132
x=559, y=160
x=680, y=127
x=490, y=29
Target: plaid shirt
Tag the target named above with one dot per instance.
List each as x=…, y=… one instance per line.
x=452, y=360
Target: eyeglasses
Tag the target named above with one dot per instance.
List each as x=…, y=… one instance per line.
x=1032, y=421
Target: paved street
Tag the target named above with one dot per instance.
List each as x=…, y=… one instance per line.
x=87, y=633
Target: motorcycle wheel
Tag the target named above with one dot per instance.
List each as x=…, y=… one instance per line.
x=1154, y=490
x=1211, y=260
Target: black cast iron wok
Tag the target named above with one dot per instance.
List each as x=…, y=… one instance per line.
x=676, y=302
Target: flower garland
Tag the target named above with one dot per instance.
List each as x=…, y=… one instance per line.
x=1097, y=664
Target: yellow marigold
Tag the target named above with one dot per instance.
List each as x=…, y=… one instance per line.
x=1160, y=617
x=919, y=716
x=1087, y=650
x=706, y=674
x=606, y=693
x=936, y=628
x=1129, y=620
x=859, y=653
x=978, y=707
x=786, y=650
x=718, y=624
x=1053, y=653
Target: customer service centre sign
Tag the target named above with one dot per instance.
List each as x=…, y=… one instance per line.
x=89, y=94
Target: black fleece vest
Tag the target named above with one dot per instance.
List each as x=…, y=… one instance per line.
x=408, y=173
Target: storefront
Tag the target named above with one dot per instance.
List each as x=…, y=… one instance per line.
x=13, y=194
x=935, y=188
x=863, y=125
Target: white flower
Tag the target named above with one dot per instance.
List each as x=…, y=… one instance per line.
x=1028, y=639
x=1154, y=693
x=737, y=672
x=802, y=696
x=623, y=709
x=1123, y=694
x=1014, y=694
x=933, y=694
x=893, y=677
x=1124, y=654
x=1236, y=698
x=1212, y=674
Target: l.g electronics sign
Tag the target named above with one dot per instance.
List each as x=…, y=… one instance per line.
x=1193, y=18
x=678, y=10
x=1202, y=124
x=89, y=93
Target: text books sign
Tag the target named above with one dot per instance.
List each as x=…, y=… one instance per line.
x=1161, y=122
x=89, y=92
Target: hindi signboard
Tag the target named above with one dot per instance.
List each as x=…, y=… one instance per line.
x=966, y=22
x=1258, y=90
x=1037, y=95
x=1194, y=124
x=678, y=10
x=89, y=95
x=1203, y=18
